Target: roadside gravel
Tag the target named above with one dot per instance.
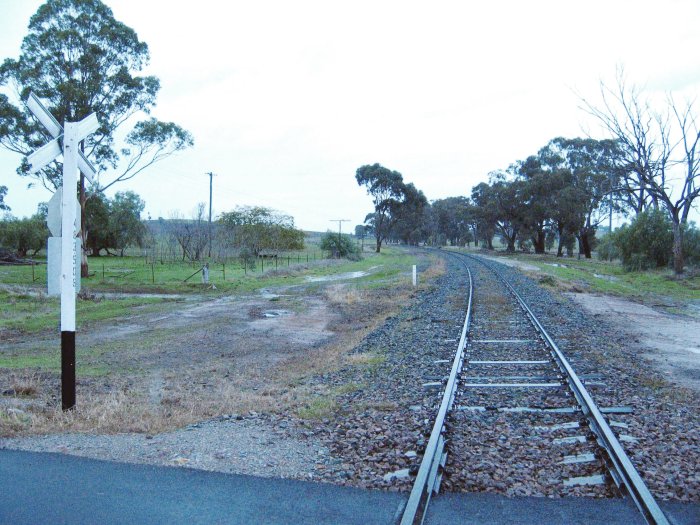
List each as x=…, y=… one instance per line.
x=254, y=444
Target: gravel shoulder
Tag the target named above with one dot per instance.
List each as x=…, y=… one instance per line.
x=253, y=444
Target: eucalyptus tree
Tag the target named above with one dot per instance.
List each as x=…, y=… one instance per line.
x=584, y=174
x=361, y=233
x=79, y=59
x=114, y=224
x=387, y=190
x=485, y=214
x=23, y=236
x=539, y=199
x=511, y=206
x=408, y=215
x=454, y=219
x=502, y=205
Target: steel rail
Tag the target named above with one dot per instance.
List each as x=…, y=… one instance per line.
x=623, y=471
x=429, y=472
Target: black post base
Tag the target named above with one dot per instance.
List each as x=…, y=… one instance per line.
x=67, y=370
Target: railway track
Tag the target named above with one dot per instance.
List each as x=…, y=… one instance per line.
x=513, y=405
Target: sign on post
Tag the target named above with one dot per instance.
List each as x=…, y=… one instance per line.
x=66, y=141
x=53, y=251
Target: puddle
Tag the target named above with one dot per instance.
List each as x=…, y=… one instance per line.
x=267, y=294
x=557, y=265
x=275, y=313
x=336, y=277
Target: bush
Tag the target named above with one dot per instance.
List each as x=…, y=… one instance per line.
x=691, y=244
x=608, y=249
x=340, y=246
x=647, y=242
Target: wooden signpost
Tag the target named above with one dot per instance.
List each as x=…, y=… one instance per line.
x=66, y=141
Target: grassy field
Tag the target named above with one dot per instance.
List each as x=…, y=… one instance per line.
x=593, y=275
x=26, y=309
x=167, y=354
x=123, y=273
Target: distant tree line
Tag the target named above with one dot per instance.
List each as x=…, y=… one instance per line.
x=561, y=196
x=115, y=225
x=24, y=237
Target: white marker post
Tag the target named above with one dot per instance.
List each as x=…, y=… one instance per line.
x=415, y=275
x=73, y=159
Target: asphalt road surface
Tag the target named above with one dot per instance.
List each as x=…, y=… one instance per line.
x=42, y=488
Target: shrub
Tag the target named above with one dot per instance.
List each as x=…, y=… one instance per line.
x=607, y=248
x=691, y=244
x=647, y=242
x=340, y=246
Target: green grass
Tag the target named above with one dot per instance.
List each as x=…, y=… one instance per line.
x=32, y=311
x=49, y=360
x=610, y=278
x=29, y=314
x=318, y=408
x=133, y=275
x=46, y=361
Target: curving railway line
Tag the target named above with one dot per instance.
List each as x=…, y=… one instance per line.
x=513, y=402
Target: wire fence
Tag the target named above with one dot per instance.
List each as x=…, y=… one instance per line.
x=143, y=270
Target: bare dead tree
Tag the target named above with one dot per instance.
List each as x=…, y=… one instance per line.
x=690, y=190
x=656, y=173
x=190, y=234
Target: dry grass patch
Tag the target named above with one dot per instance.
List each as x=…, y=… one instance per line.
x=437, y=268
x=344, y=294
x=23, y=385
x=366, y=359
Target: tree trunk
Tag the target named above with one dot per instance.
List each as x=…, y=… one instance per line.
x=585, y=245
x=560, y=240
x=511, y=244
x=539, y=242
x=379, y=244
x=677, y=247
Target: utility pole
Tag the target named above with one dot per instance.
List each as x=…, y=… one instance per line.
x=340, y=222
x=211, y=176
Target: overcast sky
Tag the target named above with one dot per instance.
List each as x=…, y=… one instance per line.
x=287, y=99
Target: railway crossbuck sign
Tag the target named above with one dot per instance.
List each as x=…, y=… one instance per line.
x=66, y=141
